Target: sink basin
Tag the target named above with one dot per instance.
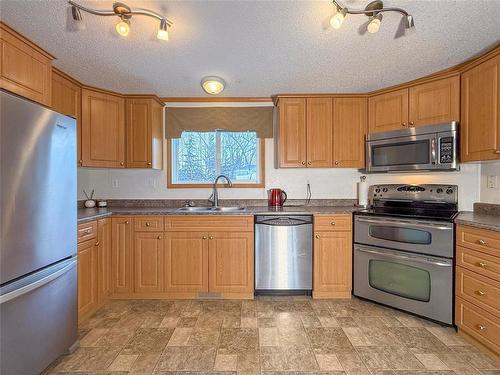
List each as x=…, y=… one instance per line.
x=195, y=209
x=211, y=209
x=229, y=209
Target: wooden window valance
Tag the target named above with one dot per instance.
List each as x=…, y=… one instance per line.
x=208, y=119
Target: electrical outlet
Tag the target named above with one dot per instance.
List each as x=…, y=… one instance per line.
x=114, y=183
x=492, y=182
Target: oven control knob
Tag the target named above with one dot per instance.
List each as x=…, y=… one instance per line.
x=449, y=191
x=439, y=190
x=377, y=190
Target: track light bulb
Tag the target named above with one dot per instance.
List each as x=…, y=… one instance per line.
x=123, y=27
x=338, y=18
x=162, y=33
x=374, y=24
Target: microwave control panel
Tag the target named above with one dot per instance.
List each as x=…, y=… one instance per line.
x=446, y=150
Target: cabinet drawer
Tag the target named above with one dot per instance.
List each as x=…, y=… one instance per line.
x=198, y=223
x=87, y=231
x=148, y=223
x=481, y=263
x=342, y=222
x=478, y=290
x=483, y=240
x=483, y=326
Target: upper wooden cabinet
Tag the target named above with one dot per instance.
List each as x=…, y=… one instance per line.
x=388, y=111
x=103, y=129
x=67, y=99
x=434, y=102
x=25, y=69
x=319, y=132
x=292, y=133
x=349, y=131
x=144, y=121
x=425, y=104
x=480, y=122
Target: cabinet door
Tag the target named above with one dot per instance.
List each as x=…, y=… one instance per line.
x=103, y=130
x=480, y=122
x=66, y=99
x=388, y=111
x=231, y=265
x=435, y=102
x=186, y=262
x=104, y=258
x=333, y=264
x=122, y=261
x=292, y=132
x=139, y=121
x=149, y=264
x=319, y=132
x=87, y=277
x=349, y=131
x=25, y=69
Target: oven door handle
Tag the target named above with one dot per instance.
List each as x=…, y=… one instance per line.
x=399, y=256
x=403, y=223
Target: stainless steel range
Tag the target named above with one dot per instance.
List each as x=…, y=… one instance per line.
x=403, y=249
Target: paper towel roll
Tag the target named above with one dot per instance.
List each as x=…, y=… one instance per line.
x=362, y=194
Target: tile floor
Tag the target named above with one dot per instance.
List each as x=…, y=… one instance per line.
x=268, y=336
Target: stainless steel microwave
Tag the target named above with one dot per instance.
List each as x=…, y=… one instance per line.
x=432, y=147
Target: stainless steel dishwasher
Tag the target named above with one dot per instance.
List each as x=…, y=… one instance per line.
x=283, y=253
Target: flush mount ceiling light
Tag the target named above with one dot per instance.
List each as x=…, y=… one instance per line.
x=374, y=11
x=213, y=85
x=124, y=13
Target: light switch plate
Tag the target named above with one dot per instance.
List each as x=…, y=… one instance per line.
x=492, y=182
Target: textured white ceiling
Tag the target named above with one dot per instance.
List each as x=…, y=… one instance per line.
x=259, y=47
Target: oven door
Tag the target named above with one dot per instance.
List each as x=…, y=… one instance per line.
x=416, y=283
x=427, y=237
x=415, y=152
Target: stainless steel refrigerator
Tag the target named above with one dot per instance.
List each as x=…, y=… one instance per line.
x=38, y=284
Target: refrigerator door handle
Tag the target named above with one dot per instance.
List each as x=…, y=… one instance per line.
x=38, y=283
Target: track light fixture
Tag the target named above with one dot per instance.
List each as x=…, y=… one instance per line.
x=125, y=13
x=374, y=11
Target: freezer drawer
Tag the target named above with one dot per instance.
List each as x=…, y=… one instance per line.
x=38, y=319
x=283, y=253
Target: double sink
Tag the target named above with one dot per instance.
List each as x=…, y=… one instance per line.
x=211, y=209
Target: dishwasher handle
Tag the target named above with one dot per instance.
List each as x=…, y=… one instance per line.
x=283, y=221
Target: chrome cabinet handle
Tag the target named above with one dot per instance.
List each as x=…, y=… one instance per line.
x=481, y=242
x=481, y=264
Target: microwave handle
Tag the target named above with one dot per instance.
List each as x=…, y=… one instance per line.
x=433, y=151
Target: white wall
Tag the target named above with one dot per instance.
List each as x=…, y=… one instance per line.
x=489, y=195
x=325, y=183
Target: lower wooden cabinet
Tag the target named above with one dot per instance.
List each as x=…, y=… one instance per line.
x=148, y=262
x=94, y=269
x=121, y=255
x=231, y=264
x=186, y=262
x=332, y=258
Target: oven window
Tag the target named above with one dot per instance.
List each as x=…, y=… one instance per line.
x=397, y=234
x=400, y=280
x=406, y=153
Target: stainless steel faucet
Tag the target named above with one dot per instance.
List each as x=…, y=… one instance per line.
x=214, y=198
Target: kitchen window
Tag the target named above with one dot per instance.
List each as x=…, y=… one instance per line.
x=197, y=158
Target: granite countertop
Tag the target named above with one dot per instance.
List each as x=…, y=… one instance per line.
x=89, y=214
x=479, y=220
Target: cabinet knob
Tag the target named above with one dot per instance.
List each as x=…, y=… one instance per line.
x=121, y=163
x=481, y=327
x=159, y=237
x=149, y=163
x=80, y=162
x=308, y=163
x=480, y=293
x=147, y=224
x=317, y=236
x=336, y=163
x=481, y=242
x=97, y=243
x=204, y=237
x=412, y=124
x=481, y=264
x=303, y=163
x=210, y=238
x=497, y=151
x=126, y=222
x=87, y=231
x=403, y=124
x=332, y=223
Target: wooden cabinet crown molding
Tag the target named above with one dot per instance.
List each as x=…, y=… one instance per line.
x=6, y=28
